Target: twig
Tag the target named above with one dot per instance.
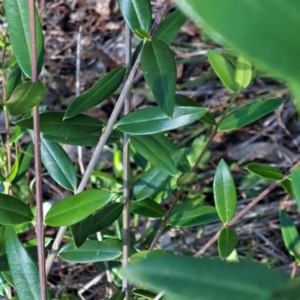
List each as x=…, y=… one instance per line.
x=37, y=161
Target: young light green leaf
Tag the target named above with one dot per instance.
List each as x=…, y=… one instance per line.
x=15, y=168
x=13, y=80
x=186, y=179
x=25, y=96
x=249, y=114
x=264, y=171
x=90, y=251
x=157, y=155
x=169, y=27
x=227, y=241
x=290, y=234
x=224, y=192
x=147, y=208
x=17, y=15
x=96, y=94
x=187, y=216
x=13, y=211
x=52, y=123
x=23, y=270
x=295, y=176
x=223, y=69
x=243, y=72
x=106, y=216
x=143, y=34
x=178, y=278
x=153, y=120
x=81, y=230
x=137, y=14
x=74, y=209
x=159, y=68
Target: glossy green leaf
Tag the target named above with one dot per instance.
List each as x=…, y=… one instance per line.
x=137, y=52
x=23, y=270
x=81, y=230
x=243, y=72
x=17, y=133
x=187, y=216
x=17, y=15
x=287, y=186
x=152, y=119
x=264, y=171
x=227, y=242
x=149, y=183
x=143, y=34
x=11, y=61
x=223, y=69
x=15, y=168
x=106, y=216
x=118, y=296
x=144, y=294
x=295, y=176
x=137, y=14
x=169, y=27
x=52, y=123
x=151, y=150
x=290, y=234
x=13, y=211
x=13, y=80
x=147, y=208
x=90, y=251
x=25, y=96
x=249, y=114
x=271, y=27
x=96, y=94
x=186, y=179
x=159, y=68
x=183, y=277
x=208, y=119
x=74, y=209
x=224, y=192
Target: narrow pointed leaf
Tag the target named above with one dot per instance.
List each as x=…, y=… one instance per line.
x=14, y=169
x=96, y=94
x=23, y=270
x=151, y=150
x=243, y=72
x=186, y=179
x=178, y=277
x=147, y=208
x=227, y=242
x=52, y=123
x=295, y=185
x=169, y=27
x=17, y=14
x=106, y=216
x=81, y=230
x=13, y=211
x=290, y=234
x=137, y=14
x=249, y=114
x=25, y=96
x=153, y=120
x=143, y=34
x=13, y=80
x=76, y=208
x=223, y=69
x=287, y=186
x=90, y=251
x=224, y=192
x=159, y=68
x=264, y=171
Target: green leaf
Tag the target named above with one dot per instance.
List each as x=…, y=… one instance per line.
x=147, y=208
x=157, y=155
x=290, y=234
x=143, y=34
x=15, y=168
x=4, y=267
x=137, y=52
x=106, y=216
x=243, y=72
x=289, y=291
x=144, y=294
x=169, y=27
x=264, y=171
x=74, y=209
x=81, y=230
x=187, y=216
x=223, y=69
x=97, y=93
x=17, y=133
x=17, y=15
x=224, y=192
x=270, y=25
x=23, y=270
x=137, y=14
x=186, y=179
x=90, y=251
x=118, y=296
x=25, y=96
x=13, y=211
x=180, y=277
x=227, y=241
x=295, y=176
x=52, y=123
x=13, y=80
x=152, y=119
x=287, y=186
x=159, y=68
x=249, y=114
